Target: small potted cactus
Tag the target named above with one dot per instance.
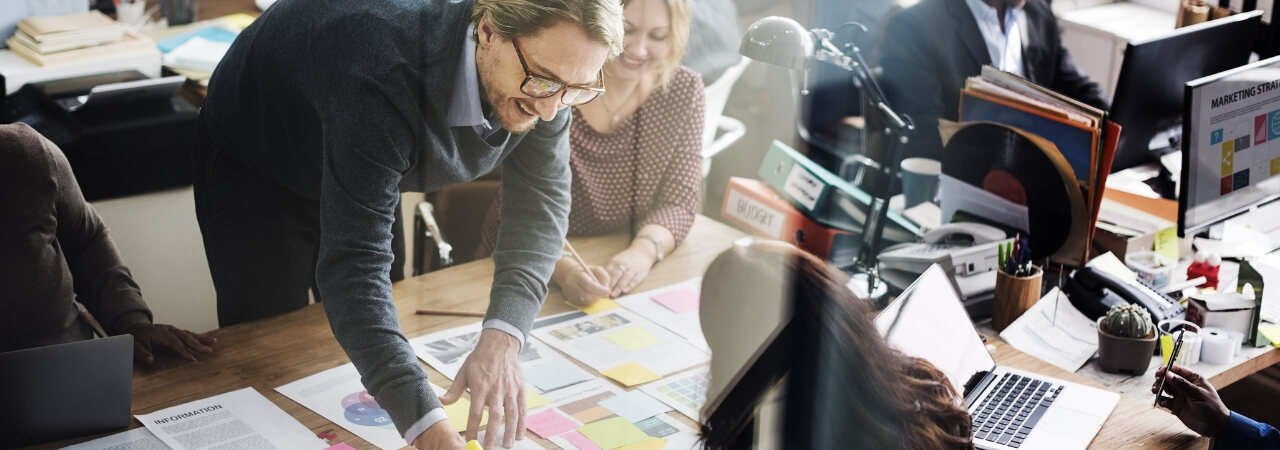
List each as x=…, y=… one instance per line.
x=1126, y=340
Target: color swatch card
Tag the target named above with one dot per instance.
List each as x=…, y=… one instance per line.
x=686, y=392
x=635, y=406
x=578, y=418
x=616, y=337
x=675, y=307
x=543, y=368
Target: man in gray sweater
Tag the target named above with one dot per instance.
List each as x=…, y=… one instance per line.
x=322, y=113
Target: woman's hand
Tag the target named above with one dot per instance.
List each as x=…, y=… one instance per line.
x=578, y=285
x=629, y=267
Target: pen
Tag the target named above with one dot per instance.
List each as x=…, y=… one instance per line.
x=578, y=258
x=1172, y=356
x=445, y=312
x=93, y=323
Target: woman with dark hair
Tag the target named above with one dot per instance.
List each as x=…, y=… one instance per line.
x=881, y=397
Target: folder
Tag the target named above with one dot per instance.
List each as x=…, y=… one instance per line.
x=826, y=198
x=753, y=205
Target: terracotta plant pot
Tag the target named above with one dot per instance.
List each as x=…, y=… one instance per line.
x=1121, y=354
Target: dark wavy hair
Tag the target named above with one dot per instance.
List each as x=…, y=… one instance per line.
x=882, y=398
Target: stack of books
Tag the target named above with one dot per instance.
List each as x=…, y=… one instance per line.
x=53, y=40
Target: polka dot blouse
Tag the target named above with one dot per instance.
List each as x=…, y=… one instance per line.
x=646, y=171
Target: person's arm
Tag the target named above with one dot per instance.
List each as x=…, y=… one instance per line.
x=670, y=214
x=367, y=129
x=1242, y=432
x=1067, y=79
x=102, y=282
x=533, y=223
x=910, y=83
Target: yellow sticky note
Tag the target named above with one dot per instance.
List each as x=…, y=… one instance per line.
x=240, y=20
x=652, y=444
x=458, y=413
x=630, y=374
x=1167, y=243
x=532, y=399
x=1271, y=332
x=599, y=306
x=613, y=433
x=473, y=445
x=633, y=338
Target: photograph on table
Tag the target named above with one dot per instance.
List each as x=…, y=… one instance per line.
x=544, y=369
x=620, y=344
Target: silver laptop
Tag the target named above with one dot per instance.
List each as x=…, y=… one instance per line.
x=66, y=390
x=1010, y=408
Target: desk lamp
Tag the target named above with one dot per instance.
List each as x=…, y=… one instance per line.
x=784, y=42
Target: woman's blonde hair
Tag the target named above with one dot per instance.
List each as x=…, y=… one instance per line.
x=677, y=37
x=601, y=19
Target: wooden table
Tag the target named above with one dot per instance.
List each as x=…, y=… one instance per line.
x=268, y=353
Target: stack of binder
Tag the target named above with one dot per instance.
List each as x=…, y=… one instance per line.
x=53, y=40
x=797, y=201
x=1082, y=134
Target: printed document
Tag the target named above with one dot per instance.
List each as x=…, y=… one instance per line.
x=674, y=307
x=336, y=394
x=616, y=337
x=1067, y=340
x=135, y=439
x=242, y=419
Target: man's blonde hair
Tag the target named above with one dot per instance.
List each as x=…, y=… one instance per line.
x=601, y=19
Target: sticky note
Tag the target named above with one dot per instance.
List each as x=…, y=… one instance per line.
x=630, y=374
x=633, y=338
x=599, y=306
x=549, y=423
x=613, y=433
x=679, y=301
x=1167, y=243
x=554, y=375
x=238, y=20
x=1271, y=332
x=532, y=399
x=458, y=413
x=652, y=444
x=341, y=446
x=580, y=441
x=635, y=406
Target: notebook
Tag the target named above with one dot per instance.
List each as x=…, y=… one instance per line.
x=1011, y=408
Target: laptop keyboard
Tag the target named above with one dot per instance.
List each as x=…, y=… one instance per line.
x=1013, y=409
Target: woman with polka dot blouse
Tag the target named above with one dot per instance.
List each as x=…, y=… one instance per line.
x=636, y=155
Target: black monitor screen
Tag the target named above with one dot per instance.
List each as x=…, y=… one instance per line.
x=1148, y=99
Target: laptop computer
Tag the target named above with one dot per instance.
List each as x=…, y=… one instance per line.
x=1011, y=408
x=66, y=390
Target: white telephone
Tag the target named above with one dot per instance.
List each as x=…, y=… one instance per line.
x=961, y=248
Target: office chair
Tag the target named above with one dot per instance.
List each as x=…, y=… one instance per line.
x=720, y=131
x=448, y=224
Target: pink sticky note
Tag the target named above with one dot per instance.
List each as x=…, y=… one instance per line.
x=549, y=423
x=580, y=441
x=341, y=446
x=680, y=301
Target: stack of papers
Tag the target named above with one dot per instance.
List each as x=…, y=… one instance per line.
x=52, y=40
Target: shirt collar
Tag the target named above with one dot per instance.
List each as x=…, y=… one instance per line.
x=464, y=106
x=982, y=12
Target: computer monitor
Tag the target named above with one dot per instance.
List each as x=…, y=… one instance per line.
x=1148, y=99
x=1230, y=145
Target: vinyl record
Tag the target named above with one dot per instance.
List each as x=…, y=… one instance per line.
x=1000, y=160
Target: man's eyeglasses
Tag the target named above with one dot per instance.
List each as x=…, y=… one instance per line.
x=538, y=86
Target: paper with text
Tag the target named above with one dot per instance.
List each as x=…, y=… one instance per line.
x=1067, y=340
x=237, y=419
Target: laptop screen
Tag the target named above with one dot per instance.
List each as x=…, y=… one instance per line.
x=931, y=323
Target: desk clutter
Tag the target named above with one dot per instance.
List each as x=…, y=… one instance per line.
x=574, y=408
x=57, y=40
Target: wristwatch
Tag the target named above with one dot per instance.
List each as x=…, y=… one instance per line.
x=657, y=245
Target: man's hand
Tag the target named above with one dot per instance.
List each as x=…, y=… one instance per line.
x=1194, y=401
x=578, y=286
x=442, y=435
x=147, y=338
x=629, y=267
x=492, y=374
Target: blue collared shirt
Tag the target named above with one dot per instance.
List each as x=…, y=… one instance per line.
x=465, y=109
x=1004, y=46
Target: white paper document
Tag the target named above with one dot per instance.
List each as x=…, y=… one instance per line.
x=135, y=439
x=1066, y=340
x=241, y=419
x=687, y=323
x=543, y=368
x=337, y=394
x=615, y=337
x=574, y=407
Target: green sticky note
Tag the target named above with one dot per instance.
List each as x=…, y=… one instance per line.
x=1271, y=332
x=613, y=433
x=630, y=374
x=633, y=338
x=1167, y=243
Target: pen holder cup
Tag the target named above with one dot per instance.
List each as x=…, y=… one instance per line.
x=1189, y=353
x=1014, y=296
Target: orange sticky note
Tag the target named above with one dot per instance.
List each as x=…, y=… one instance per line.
x=631, y=374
